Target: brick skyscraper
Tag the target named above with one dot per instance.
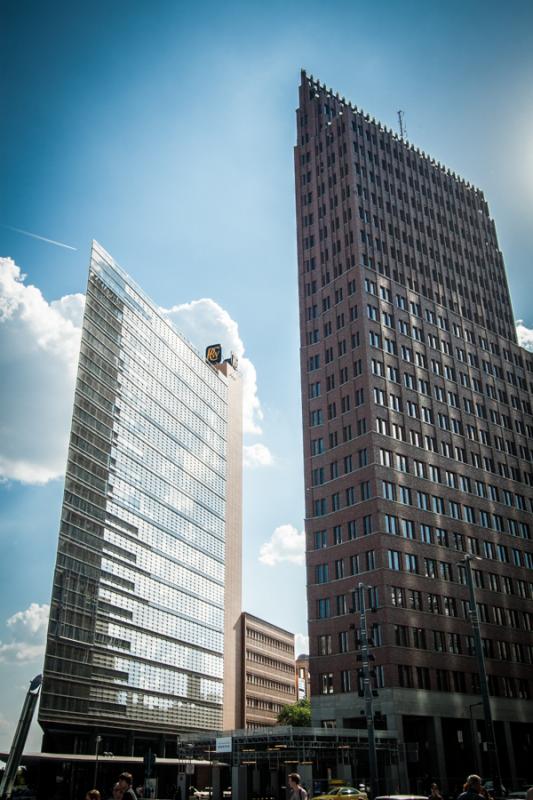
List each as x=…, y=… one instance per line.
x=417, y=420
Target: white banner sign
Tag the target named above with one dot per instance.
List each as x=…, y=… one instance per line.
x=223, y=744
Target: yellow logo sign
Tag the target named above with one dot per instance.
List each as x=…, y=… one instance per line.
x=213, y=353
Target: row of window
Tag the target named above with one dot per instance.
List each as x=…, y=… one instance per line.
x=414, y=599
x=441, y=321
x=400, y=561
x=426, y=639
x=269, y=641
x=440, y=680
x=452, y=451
x=451, y=508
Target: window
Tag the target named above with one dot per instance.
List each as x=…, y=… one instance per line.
x=426, y=534
x=398, y=596
x=324, y=644
x=395, y=560
x=385, y=457
x=346, y=685
x=340, y=603
x=401, y=635
x=391, y=524
x=405, y=495
x=326, y=683
x=402, y=463
x=388, y=490
x=365, y=490
x=422, y=500
x=323, y=608
x=433, y=602
x=405, y=676
x=407, y=528
x=430, y=566
x=439, y=641
x=423, y=678
x=343, y=642
x=320, y=507
x=411, y=562
x=320, y=539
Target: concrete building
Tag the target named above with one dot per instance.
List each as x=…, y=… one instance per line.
x=417, y=422
x=267, y=670
x=147, y=586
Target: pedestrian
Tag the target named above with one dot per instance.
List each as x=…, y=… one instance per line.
x=486, y=794
x=471, y=788
x=435, y=792
x=297, y=791
x=116, y=792
x=92, y=794
x=124, y=781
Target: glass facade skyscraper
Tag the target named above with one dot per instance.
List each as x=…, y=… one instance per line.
x=136, y=635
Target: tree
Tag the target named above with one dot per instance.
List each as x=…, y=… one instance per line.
x=297, y=714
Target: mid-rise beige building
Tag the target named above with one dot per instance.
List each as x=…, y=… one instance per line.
x=267, y=670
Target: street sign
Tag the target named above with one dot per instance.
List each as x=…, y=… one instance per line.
x=223, y=744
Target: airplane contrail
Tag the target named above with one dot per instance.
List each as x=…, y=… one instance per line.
x=36, y=236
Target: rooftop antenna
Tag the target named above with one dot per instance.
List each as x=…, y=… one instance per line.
x=401, y=120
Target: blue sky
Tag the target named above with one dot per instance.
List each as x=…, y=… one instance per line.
x=165, y=130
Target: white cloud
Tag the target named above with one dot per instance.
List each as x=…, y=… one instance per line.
x=286, y=544
x=205, y=322
x=257, y=455
x=39, y=344
x=301, y=644
x=21, y=652
x=33, y=619
x=525, y=335
x=28, y=630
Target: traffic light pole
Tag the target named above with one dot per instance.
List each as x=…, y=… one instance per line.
x=483, y=682
x=367, y=689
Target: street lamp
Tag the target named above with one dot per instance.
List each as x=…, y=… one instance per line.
x=483, y=682
x=98, y=740
x=367, y=690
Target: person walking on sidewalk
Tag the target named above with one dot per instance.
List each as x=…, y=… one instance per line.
x=297, y=791
x=471, y=789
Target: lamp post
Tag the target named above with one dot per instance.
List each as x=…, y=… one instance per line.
x=474, y=734
x=19, y=740
x=98, y=740
x=367, y=691
x=483, y=682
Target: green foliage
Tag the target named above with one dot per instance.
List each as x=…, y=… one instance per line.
x=297, y=714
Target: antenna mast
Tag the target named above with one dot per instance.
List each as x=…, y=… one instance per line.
x=401, y=120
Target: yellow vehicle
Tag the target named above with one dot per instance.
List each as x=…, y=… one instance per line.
x=342, y=791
